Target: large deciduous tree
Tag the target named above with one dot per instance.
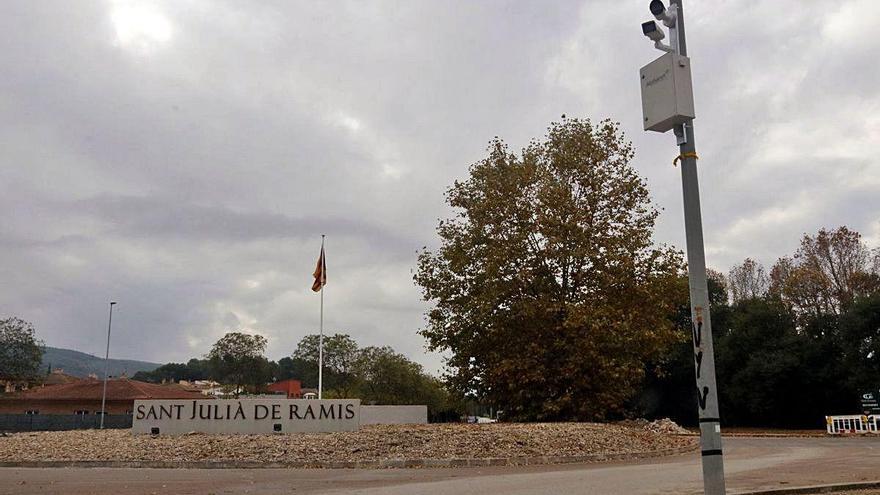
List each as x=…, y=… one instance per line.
x=547, y=291
x=20, y=351
x=860, y=343
x=376, y=375
x=747, y=280
x=340, y=354
x=387, y=377
x=668, y=389
x=827, y=273
x=304, y=371
x=238, y=359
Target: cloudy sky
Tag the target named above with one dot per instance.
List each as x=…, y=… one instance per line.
x=184, y=156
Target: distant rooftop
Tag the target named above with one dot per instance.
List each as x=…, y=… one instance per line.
x=117, y=389
x=59, y=377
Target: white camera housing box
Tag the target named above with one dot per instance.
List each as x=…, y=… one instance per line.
x=667, y=92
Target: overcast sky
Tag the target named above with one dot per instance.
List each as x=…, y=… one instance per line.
x=183, y=157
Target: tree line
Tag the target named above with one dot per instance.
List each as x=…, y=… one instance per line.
x=792, y=344
x=376, y=375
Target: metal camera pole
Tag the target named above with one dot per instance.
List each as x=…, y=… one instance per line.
x=704, y=354
x=106, y=366
x=668, y=104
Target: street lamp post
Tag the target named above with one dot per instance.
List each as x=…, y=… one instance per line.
x=106, y=366
x=670, y=75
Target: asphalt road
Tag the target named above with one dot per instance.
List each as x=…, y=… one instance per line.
x=751, y=464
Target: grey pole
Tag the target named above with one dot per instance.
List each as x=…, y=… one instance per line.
x=321, y=350
x=704, y=354
x=321, y=337
x=106, y=365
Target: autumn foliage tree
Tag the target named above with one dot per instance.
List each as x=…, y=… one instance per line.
x=747, y=280
x=827, y=274
x=790, y=348
x=547, y=291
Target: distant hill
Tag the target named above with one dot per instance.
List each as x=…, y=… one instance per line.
x=81, y=364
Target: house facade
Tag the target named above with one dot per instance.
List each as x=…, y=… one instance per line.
x=84, y=397
x=291, y=388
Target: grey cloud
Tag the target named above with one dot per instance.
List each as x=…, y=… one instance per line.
x=155, y=217
x=190, y=178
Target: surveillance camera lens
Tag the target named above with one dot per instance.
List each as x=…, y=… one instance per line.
x=657, y=7
x=649, y=27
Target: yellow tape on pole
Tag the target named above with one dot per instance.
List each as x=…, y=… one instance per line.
x=688, y=154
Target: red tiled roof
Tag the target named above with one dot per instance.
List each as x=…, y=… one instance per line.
x=117, y=389
x=59, y=378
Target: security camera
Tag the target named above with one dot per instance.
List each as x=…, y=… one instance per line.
x=653, y=32
x=658, y=10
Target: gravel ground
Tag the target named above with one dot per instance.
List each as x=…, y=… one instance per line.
x=436, y=441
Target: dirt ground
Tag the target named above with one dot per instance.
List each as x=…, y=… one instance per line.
x=432, y=441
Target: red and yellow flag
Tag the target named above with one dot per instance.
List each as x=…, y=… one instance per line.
x=320, y=272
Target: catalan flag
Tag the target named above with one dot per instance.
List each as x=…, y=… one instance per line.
x=320, y=272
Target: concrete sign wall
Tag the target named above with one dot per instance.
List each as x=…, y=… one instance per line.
x=176, y=417
x=394, y=415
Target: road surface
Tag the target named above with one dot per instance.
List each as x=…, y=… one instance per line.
x=751, y=464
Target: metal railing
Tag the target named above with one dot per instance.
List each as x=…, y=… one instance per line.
x=858, y=424
x=56, y=422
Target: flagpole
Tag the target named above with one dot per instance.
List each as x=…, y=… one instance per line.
x=321, y=336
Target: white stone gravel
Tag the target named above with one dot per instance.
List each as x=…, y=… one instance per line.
x=667, y=426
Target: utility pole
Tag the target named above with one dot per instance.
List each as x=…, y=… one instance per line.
x=701, y=321
x=106, y=366
x=680, y=120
